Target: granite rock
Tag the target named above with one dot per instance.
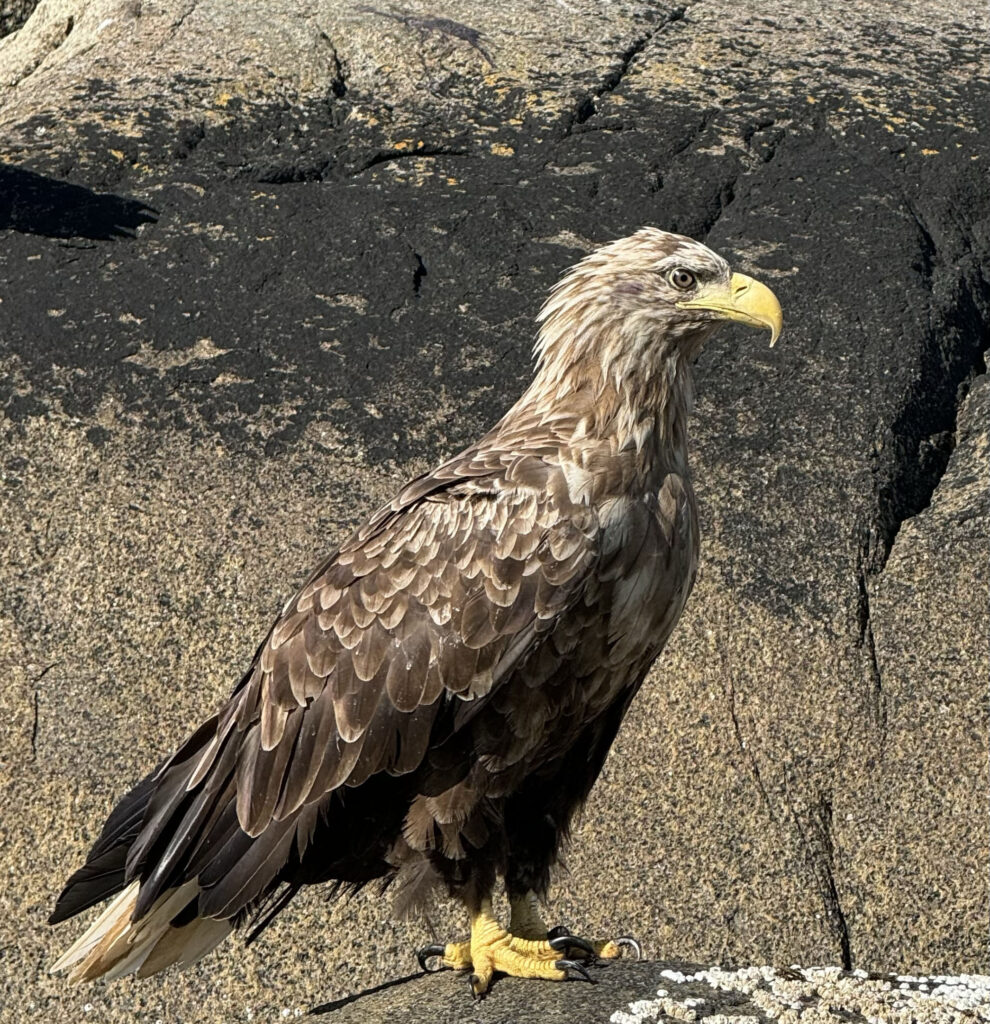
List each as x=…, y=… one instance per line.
x=637, y=993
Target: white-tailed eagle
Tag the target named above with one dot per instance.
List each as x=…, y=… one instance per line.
x=438, y=699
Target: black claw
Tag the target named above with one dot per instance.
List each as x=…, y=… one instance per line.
x=573, y=965
x=562, y=942
x=557, y=932
x=426, y=954
x=630, y=943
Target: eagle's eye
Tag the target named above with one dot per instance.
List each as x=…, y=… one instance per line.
x=681, y=279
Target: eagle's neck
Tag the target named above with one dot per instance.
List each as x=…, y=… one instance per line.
x=627, y=393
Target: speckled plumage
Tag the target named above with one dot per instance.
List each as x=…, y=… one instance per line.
x=439, y=697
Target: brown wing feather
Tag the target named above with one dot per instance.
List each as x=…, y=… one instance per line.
x=441, y=592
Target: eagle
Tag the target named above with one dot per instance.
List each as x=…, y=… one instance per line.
x=436, y=702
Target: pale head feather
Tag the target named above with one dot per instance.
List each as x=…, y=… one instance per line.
x=611, y=325
x=617, y=303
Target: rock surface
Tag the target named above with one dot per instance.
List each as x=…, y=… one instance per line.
x=928, y=610
x=261, y=262
x=637, y=993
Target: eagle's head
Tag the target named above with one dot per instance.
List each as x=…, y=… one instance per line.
x=633, y=304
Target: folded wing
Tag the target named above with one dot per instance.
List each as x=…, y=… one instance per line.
x=365, y=675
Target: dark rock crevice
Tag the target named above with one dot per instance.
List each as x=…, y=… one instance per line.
x=762, y=137
x=36, y=709
x=34, y=726
x=814, y=833
x=718, y=204
x=688, y=141
x=418, y=274
x=70, y=24
x=383, y=156
x=744, y=748
x=829, y=889
x=923, y=431
x=338, y=83
x=587, y=104
x=875, y=699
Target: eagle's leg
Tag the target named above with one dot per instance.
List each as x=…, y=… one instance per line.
x=534, y=838
x=536, y=819
x=525, y=919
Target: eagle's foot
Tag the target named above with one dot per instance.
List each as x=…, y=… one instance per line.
x=456, y=956
x=495, y=949
x=492, y=949
x=604, y=949
x=526, y=920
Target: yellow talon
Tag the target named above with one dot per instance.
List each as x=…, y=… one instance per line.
x=457, y=956
x=494, y=949
x=522, y=951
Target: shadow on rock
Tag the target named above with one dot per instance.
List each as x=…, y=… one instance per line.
x=337, y=1004
x=34, y=204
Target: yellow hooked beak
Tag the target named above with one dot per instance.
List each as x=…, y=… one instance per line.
x=744, y=300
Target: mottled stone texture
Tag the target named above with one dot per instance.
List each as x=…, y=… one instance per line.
x=643, y=993
x=919, y=830
x=261, y=262
x=13, y=14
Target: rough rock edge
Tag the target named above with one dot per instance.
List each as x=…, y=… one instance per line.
x=381, y=70
x=688, y=992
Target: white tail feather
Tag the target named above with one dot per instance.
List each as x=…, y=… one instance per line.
x=184, y=946
x=114, y=945
x=122, y=906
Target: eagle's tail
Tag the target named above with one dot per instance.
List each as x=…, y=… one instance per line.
x=115, y=944
x=139, y=931
x=183, y=874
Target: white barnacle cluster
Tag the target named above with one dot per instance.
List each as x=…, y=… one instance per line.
x=966, y=993
x=665, y=1007
x=813, y=995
